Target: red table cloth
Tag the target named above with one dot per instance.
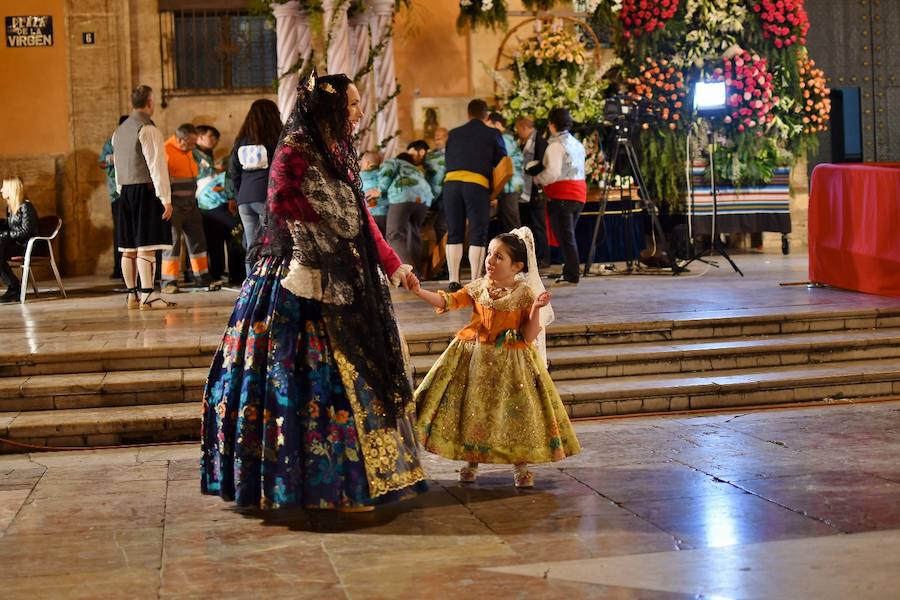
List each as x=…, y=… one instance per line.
x=854, y=227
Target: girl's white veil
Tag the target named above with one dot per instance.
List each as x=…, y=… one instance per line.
x=533, y=280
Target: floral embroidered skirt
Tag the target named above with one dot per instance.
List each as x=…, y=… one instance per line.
x=486, y=404
x=278, y=427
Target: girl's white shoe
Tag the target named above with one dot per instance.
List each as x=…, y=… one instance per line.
x=468, y=474
x=522, y=477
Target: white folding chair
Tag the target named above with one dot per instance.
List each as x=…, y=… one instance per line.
x=48, y=229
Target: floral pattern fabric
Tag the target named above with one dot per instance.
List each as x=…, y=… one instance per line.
x=278, y=427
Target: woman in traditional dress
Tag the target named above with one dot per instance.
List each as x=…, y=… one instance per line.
x=308, y=402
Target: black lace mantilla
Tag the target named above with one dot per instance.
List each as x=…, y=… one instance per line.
x=356, y=302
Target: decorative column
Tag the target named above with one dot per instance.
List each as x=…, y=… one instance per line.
x=337, y=31
x=360, y=41
x=287, y=52
x=288, y=18
x=385, y=76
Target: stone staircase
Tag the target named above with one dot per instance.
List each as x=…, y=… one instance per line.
x=123, y=395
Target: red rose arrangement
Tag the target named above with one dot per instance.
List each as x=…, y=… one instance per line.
x=661, y=86
x=751, y=95
x=785, y=22
x=815, y=105
x=645, y=16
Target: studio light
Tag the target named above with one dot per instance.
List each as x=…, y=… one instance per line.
x=709, y=97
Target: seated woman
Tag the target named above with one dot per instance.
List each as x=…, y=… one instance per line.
x=21, y=224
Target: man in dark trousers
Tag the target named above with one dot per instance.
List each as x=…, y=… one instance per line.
x=473, y=151
x=562, y=177
x=533, y=202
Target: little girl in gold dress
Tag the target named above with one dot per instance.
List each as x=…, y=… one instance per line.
x=489, y=397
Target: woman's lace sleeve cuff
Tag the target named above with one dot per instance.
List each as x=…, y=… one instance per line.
x=400, y=275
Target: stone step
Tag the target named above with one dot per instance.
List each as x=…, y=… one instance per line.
x=164, y=354
x=105, y=426
x=583, y=398
x=96, y=390
x=648, y=358
x=118, y=358
x=684, y=327
x=731, y=388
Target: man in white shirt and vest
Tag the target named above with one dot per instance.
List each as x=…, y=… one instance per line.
x=142, y=178
x=562, y=177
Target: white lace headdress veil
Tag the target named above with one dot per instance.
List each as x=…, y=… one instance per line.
x=533, y=280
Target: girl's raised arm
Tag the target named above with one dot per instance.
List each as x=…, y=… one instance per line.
x=413, y=285
x=532, y=326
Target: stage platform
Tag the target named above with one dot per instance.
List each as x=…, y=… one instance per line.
x=72, y=371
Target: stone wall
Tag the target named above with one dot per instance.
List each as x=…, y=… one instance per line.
x=74, y=94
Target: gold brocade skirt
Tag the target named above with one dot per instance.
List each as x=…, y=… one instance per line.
x=485, y=404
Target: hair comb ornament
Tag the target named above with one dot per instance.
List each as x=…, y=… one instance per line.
x=327, y=87
x=310, y=84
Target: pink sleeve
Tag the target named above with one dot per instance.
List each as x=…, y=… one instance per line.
x=389, y=259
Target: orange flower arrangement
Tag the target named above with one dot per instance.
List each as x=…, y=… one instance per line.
x=660, y=85
x=815, y=105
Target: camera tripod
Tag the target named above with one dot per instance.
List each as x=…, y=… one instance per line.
x=623, y=142
x=715, y=245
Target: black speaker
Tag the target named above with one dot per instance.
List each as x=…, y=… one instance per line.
x=846, y=125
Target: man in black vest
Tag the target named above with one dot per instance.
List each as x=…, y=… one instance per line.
x=473, y=150
x=145, y=197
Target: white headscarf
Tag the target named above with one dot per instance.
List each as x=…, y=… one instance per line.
x=533, y=280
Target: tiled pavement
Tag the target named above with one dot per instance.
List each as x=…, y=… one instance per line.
x=790, y=503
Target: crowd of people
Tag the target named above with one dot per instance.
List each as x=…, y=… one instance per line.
x=451, y=188
x=170, y=194
x=176, y=205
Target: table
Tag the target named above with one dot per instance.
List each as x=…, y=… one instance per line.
x=854, y=227
x=741, y=209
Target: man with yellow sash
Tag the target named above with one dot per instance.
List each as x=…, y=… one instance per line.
x=477, y=170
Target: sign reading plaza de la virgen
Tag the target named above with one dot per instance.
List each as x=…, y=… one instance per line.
x=29, y=31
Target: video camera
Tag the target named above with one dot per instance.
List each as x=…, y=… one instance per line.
x=621, y=109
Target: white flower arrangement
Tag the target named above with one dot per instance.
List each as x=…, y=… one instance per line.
x=713, y=26
x=588, y=6
x=580, y=89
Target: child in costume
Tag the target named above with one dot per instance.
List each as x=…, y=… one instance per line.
x=489, y=397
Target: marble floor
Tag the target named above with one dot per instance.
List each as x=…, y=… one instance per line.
x=797, y=503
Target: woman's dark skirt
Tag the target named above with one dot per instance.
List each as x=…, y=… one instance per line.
x=278, y=428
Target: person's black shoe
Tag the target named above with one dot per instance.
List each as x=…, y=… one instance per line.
x=10, y=295
x=562, y=282
x=454, y=287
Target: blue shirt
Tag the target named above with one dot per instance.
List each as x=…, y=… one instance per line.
x=517, y=183
x=402, y=182
x=435, y=169
x=370, y=180
x=104, y=161
x=213, y=188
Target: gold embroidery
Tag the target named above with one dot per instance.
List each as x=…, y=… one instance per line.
x=518, y=297
x=381, y=447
